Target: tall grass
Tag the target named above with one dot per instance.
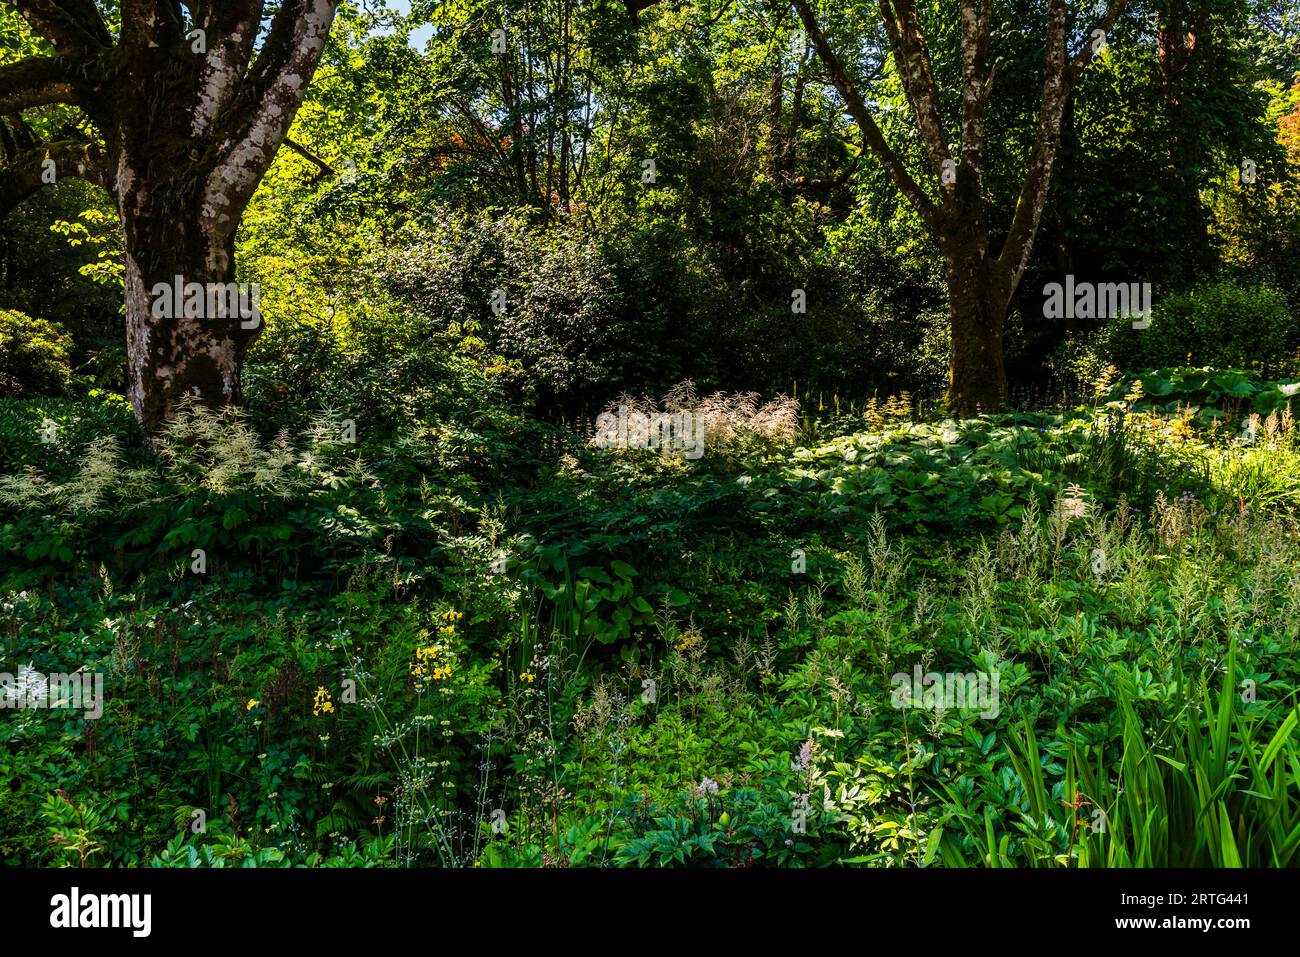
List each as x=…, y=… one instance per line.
x=1208, y=787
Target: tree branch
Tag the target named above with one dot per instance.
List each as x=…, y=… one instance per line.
x=857, y=108
x=145, y=23
x=31, y=170
x=1085, y=55
x=1033, y=191
x=259, y=116
x=325, y=168
x=976, y=27
x=913, y=60
x=15, y=136
x=1060, y=75
x=35, y=81
x=232, y=28
x=72, y=26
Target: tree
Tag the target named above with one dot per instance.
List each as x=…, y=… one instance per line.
x=190, y=101
x=1277, y=37
x=980, y=284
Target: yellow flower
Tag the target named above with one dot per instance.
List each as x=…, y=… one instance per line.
x=527, y=676
x=322, y=704
x=689, y=640
x=426, y=658
x=252, y=703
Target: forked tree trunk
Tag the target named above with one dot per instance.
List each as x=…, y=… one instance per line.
x=173, y=241
x=979, y=287
x=193, y=104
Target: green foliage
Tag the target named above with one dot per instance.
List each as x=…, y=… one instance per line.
x=1218, y=323
x=219, y=489
x=923, y=474
x=1143, y=156
x=544, y=301
x=34, y=356
x=50, y=434
x=1211, y=786
x=1259, y=226
x=62, y=262
x=376, y=707
x=218, y=849
x=384, y=615
x=1211, y=395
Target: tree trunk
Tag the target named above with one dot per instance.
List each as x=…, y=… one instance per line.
x=978, y=300
x=175, y=352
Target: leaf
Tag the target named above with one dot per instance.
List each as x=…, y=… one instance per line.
x=932, y=846
x=594, y=573
x=1279, y=739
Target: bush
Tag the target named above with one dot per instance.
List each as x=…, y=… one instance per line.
x=34, y=356
x=546, y=301
x=1218, y=323
x=890, y=326
x=1209, y=395
x=50, y=434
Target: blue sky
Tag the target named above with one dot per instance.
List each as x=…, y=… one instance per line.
x=421, y=34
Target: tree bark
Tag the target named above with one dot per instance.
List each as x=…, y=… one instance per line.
x=977, y=302
x=174, y=357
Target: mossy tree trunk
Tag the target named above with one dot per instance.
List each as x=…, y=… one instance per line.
x=977, y=301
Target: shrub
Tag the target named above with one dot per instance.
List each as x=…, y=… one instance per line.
x=547, y=301
x=1211, y=395
x=34, y=356
x=1217, y=323
x=888, y=324
x=51, y=433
